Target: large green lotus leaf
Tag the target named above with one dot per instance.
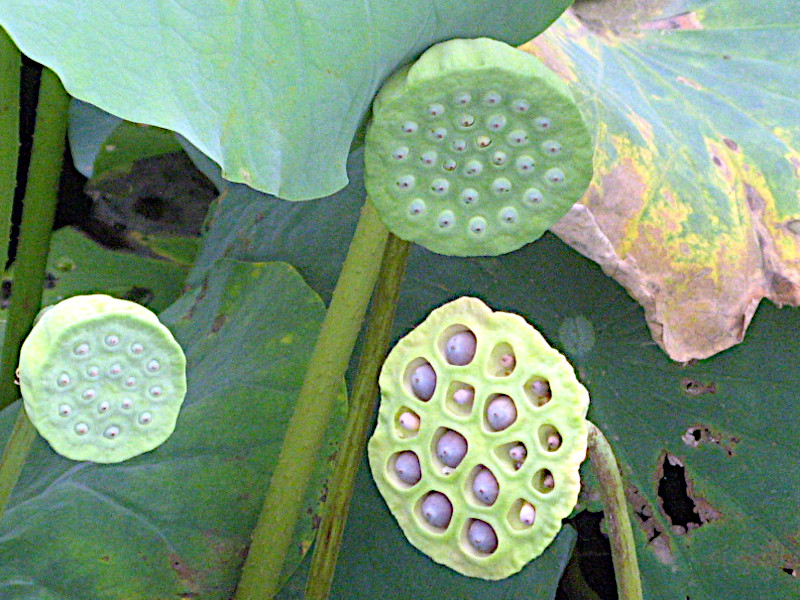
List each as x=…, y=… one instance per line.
x=175, y=522
x=695, y=204
x=729, y=454
x=273, y=91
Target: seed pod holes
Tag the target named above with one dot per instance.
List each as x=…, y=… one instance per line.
x=550, y=438
x=407, y=467
x=502, y=360
x=544, y=481
x=485, y=486
x=423, y=381
x=451, y=448
x=460, y=348
x=437, y=510
x=501, y=412
x=482, y=537
x=537, y=389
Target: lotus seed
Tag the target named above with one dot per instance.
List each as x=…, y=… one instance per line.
x=115, y=369
x=435, y=110
x=463, y=396
x=463, y=99
x=155, y=390
x=440, y=185
x=449, y=165
x=451, y=448
x=482, y=537
x=89, y=394
x=112, y=340
x=496, y=122
x=466, y=120
x=551, y=147
x=111, y=432
x=437, y=510
x=521, y=106
x=492, y=98
x=485, y=486
x=541, y=388
x=103, y=407
x=527, y=514
x=400, y=153
x=81, y=428
x=407, y=467
x=518, y=452
x=405, y=182
x=548, y=482
x=501, y=412
x=417, y=207
x=473, y=167
x=542, y=123
x=423, y=381
x=130, y=382
x=469, y=196
x=81, y=349
x=93, y=371
x=501, y=185
x=137, y=348
x=477, y=225
x=518, y=137
x=145, y=418
x=459, y=145
x=553, y=441
x=460, y=348
x=508, y=214
x=508, y=362
x=446, y=219
x=447, y=470
x=410, y=127
x=439, y=133
x=409, y=421
x=428, y=158
x=525, y=164
x=63, y=380
x=64, y=410
x=555, y=175
x=483, y=141
x=499, y=158
x=532, y=196
x=127, y=403
x=153, y=366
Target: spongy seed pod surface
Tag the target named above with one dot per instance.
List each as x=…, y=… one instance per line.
x=101, y=379
x=475, y=149
x=531, y=477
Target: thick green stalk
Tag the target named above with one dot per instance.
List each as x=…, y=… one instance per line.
x=10, y=64
x=38, y=212
x=362, y=405
x=17, y=448
x=615, y=508
x=272, y=536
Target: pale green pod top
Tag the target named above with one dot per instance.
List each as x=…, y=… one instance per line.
x=475, y=149
x=101, y=379
x=540, y=484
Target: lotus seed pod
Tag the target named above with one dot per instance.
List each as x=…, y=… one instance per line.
x=460, y=348
x=485, y=486
x=409, y=421
x=407, y=467
x=547, y=480
x=451, y=448
x=502, y=157
x=423, y=381
x=501, y=413
x=437, y=510
x=88, y=371
x=482, y=537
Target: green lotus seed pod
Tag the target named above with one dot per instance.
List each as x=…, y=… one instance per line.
x=475, y=149
x=101, y=379
x=519, y=480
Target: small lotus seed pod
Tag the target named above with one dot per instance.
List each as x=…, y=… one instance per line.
x=409, y=421
x=463, y=396
x=93, y=423
x=437, y=510
x=491, y=127
x=527, y=514
x=485, y=486
x=460, y=348
x=423, y=381
x=483, y=471
x=451, y=448
x=482, y=537
x=501, y=413
x=407, y=468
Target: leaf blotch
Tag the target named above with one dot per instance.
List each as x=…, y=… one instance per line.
x=643, y=515
x=695, y=388
x=699, y=435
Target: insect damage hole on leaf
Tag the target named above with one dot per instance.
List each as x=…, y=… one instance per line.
x=684, y=510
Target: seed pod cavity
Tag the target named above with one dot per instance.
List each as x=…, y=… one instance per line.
x=423, y=380
x=459, y=348
x=485, y=486
x=407, y=467
x=501, y=412
x=482, y=537
x=451, y=448
x=437, y=510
